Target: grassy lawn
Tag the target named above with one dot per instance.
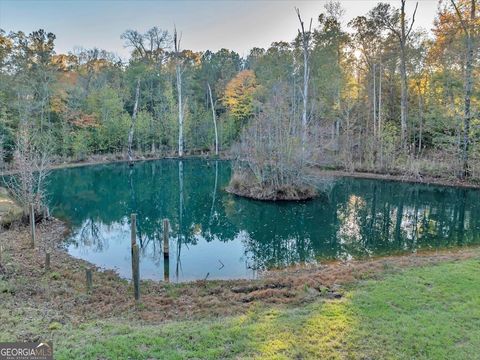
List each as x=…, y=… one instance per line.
x=431, y=312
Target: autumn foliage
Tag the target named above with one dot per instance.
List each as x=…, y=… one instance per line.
x=239, y=95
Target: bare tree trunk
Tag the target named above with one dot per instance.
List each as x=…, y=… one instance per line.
x=132, y=124
x=469, y=31
x=404, y=98
x=305, y=96
x=374, y=101
x=403, y=75
x=214, y=117
x=467, y=110
x=180, y=111
x=179, y=73
x=380, y=102
x=420, y=118
x=305, y=36
x=403, y=37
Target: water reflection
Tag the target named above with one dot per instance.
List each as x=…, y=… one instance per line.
x=217, y=235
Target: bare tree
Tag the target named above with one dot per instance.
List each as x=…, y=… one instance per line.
x=179, y=69
x=397, y=24
x=132, y=124
x=468, y=28
x=150, y=46
x=214, y=117
x=31, y=162
x=305, y=37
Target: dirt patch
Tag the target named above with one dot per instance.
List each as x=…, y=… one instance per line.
x=61, y=291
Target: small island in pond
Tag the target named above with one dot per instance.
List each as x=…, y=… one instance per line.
x=275, y=153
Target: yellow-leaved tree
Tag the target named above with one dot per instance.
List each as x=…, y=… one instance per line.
x=238, y=97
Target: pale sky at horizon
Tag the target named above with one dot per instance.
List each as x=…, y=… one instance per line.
x=235, y=25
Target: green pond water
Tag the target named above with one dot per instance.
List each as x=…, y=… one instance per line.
x=216, y=235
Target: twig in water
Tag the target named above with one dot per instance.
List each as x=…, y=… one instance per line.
x=223, y=265
x=208, y=274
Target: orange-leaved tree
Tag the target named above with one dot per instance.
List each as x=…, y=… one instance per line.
x=239, y=93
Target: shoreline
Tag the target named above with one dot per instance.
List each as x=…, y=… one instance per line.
x=116, y=159
x=54, y=304
x=223, y=156
x=63, y=284
x=426, y=180
x=57, y=299
x=322, y=171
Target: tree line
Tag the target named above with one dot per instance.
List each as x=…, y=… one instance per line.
x=383, y=95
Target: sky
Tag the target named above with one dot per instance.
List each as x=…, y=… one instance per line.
x=214, y=24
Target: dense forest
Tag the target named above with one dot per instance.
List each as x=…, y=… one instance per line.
x=384, y=96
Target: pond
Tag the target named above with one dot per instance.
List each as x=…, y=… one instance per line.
x=216, y=235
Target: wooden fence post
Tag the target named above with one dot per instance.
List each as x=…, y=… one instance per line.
x=47, y=261
x=135, y=258
x=133, y=237
x=166, y=269
x=88, y=275
x=136, y=272
x=32, y=225
x=166, y=245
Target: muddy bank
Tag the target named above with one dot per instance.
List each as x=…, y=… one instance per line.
x=60, y=293
x=399, y=177
x=285, y=194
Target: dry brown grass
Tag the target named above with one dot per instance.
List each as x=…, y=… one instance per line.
x=61, y=292
x=242, y=185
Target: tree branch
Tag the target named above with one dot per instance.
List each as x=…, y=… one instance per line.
x=413, y=21
x=460, y=17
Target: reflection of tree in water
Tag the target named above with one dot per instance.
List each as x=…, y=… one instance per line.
x=359, y=218
x=91, y=231
x=407, y=217
x=180, y=236
x=90, y=234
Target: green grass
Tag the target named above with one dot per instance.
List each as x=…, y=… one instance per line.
x=423, y=313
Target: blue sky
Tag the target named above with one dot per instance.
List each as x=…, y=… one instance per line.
x=237, y=25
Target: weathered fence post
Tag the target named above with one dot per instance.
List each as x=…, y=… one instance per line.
x=166, y=269
x=47, y=261
x=133, y=237
x=135, y=258
x=166, y=245
x=88, y=275
x=136, y=272
x=32, y=225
